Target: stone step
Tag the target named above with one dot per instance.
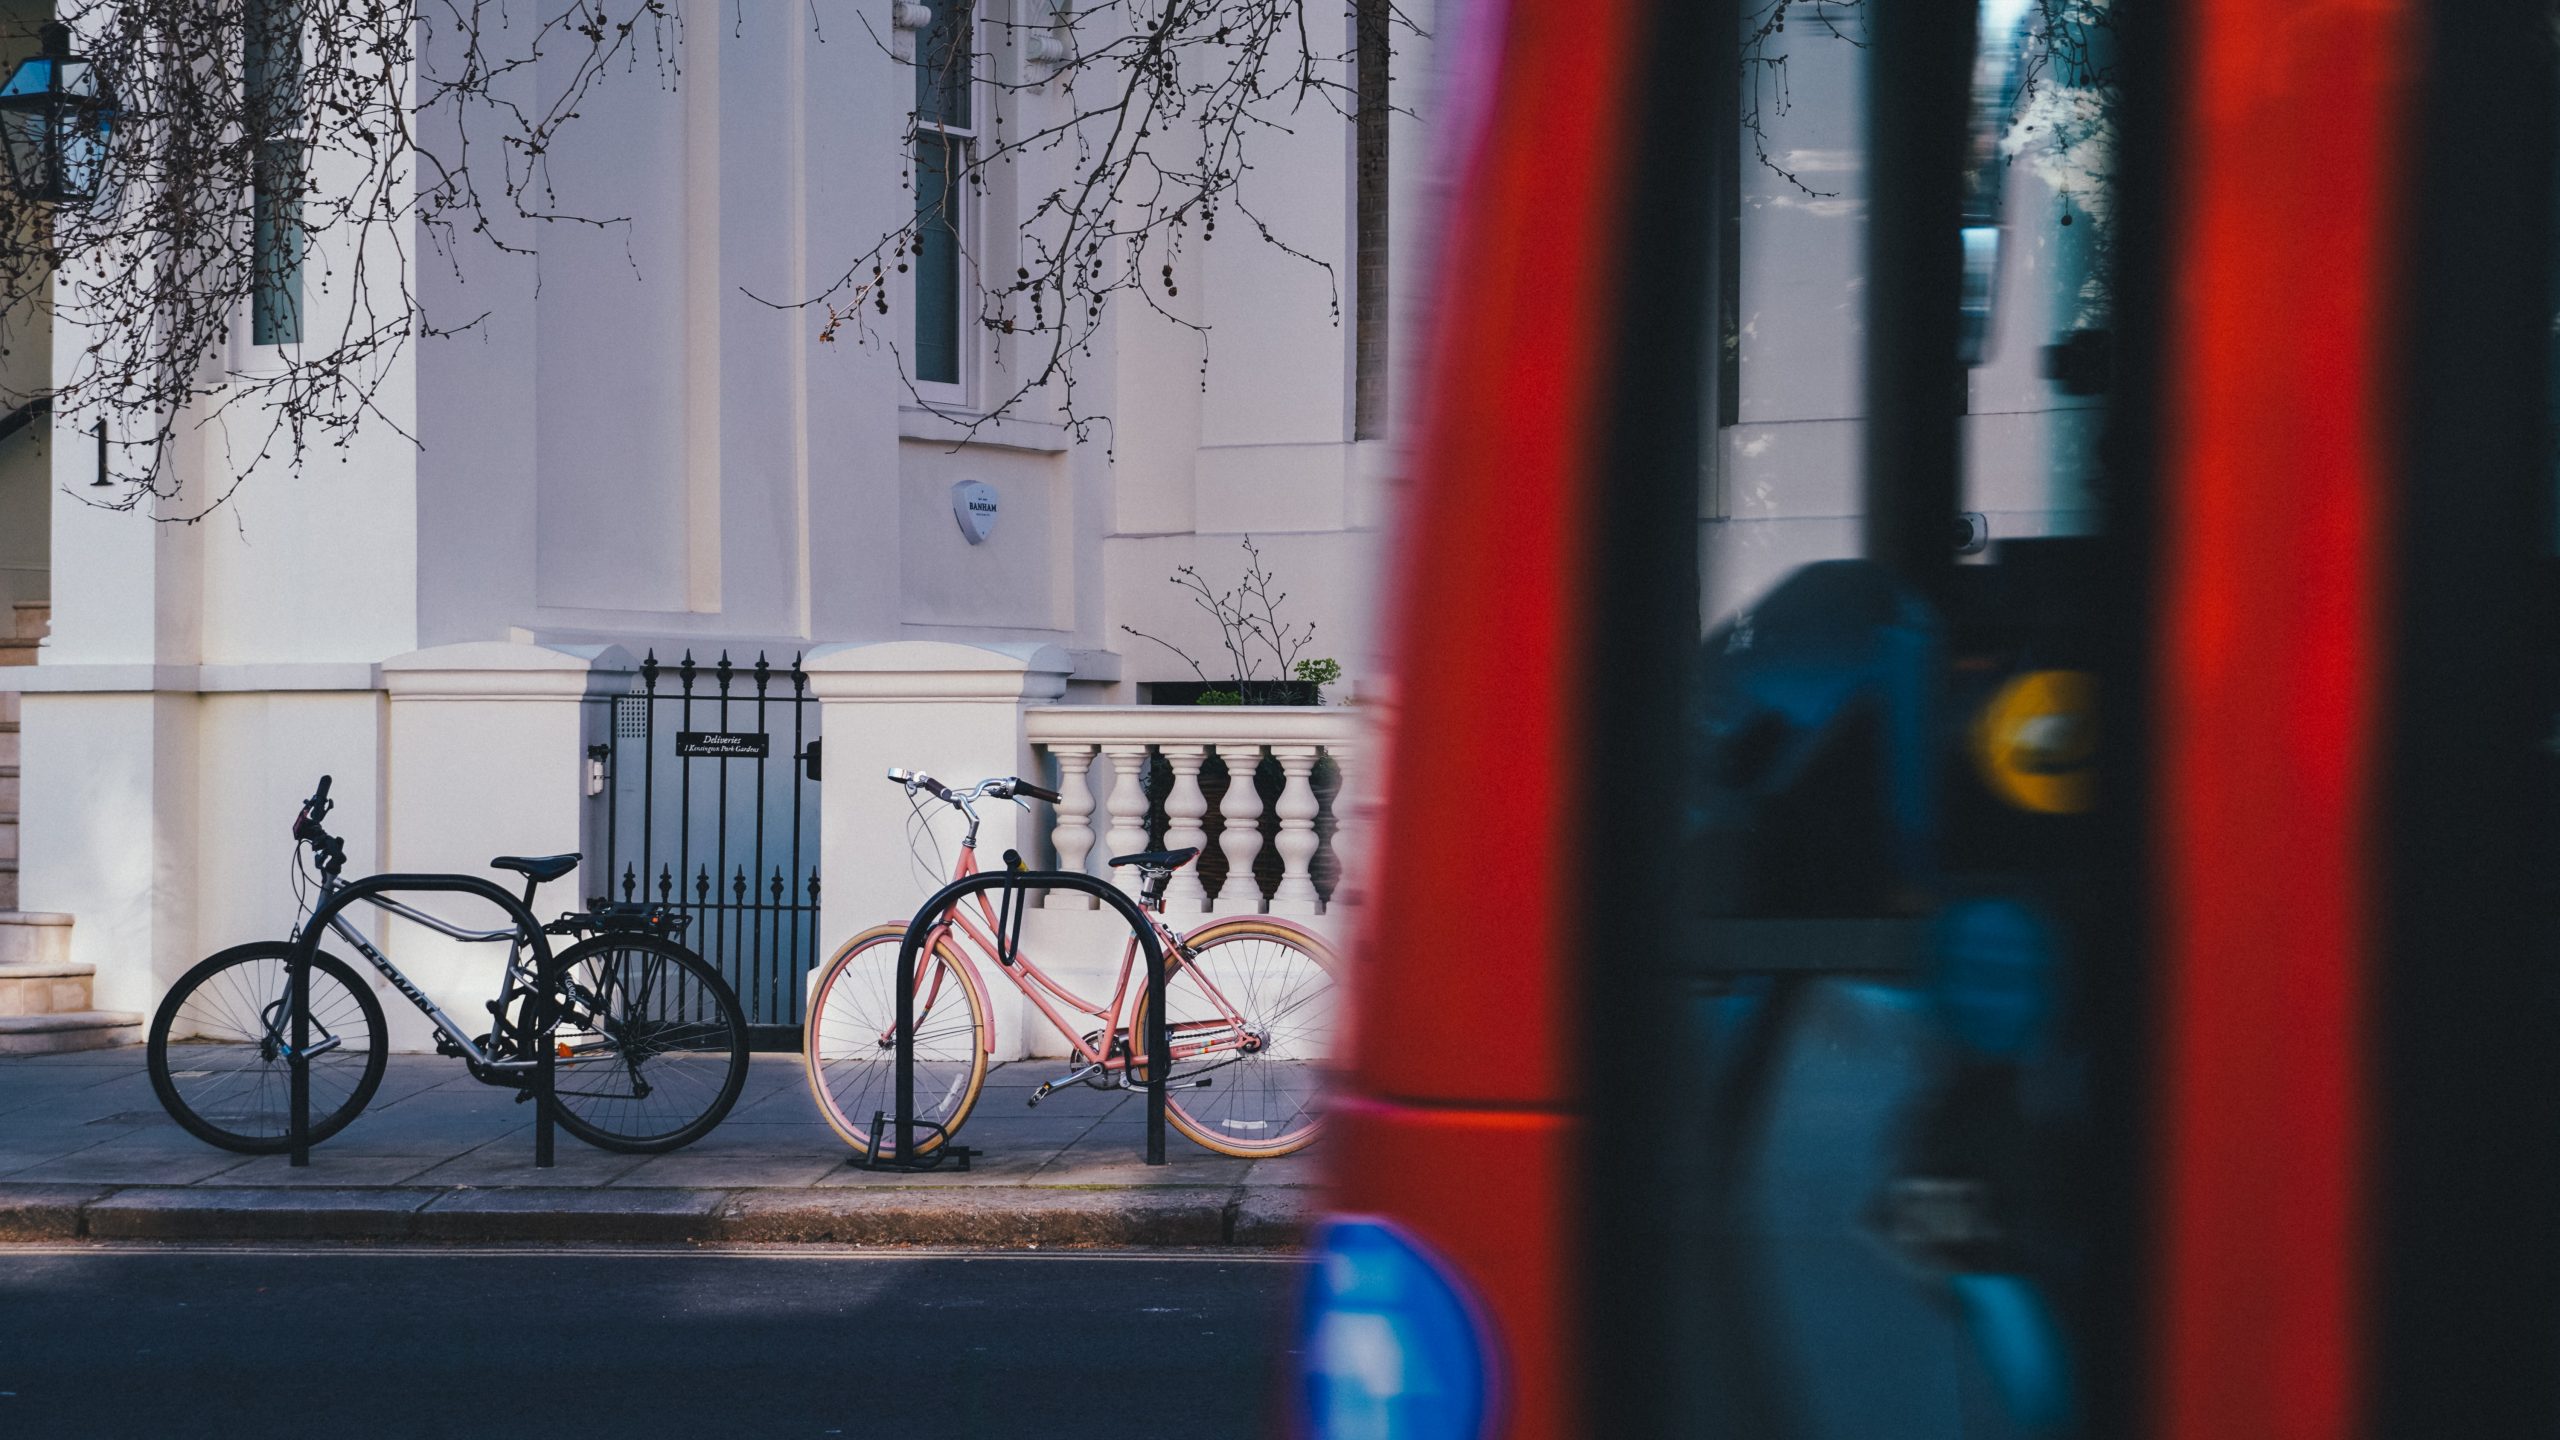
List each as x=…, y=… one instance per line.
x=78, y=1030
x=34, y=937
x=8, y=789
x=9, y=738
x=8, y=886
x=31, y=619
x=45, y=989
x=8, y=838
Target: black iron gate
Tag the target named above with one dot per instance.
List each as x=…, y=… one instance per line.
x=703, y=795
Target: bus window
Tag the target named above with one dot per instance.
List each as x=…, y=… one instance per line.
x=1894, y=770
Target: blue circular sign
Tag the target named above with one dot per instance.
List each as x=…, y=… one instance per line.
x=1390, y=1348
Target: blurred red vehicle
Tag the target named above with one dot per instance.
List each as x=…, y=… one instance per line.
x=2236, y=1095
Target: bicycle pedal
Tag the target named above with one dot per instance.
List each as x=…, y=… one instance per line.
x=1047, y=1088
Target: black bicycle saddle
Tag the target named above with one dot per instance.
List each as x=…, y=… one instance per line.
x=539, y=867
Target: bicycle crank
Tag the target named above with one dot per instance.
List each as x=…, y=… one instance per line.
x=1051, y=1087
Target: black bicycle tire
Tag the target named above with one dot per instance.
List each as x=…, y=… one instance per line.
x=164, y=1085
x=715, y=985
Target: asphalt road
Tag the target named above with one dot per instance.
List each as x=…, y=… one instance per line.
x=281, y=1343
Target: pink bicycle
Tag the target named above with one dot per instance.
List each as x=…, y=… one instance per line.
x=1249, y=1001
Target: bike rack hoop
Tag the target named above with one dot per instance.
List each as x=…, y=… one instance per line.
x=298, y=988
x=1017, y=883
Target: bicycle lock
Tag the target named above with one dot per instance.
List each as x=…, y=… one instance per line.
x=298, y=981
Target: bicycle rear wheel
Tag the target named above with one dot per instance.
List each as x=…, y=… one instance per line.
x=219, y=1049
x=1250, y=1010
x=652, y=1047
x=851, y=1050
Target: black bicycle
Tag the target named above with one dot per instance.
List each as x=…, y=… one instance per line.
x=647, y=1041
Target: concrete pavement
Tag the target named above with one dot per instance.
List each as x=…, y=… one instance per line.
x=86, y=1152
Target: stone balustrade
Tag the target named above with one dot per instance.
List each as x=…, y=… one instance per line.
x=1133, y=776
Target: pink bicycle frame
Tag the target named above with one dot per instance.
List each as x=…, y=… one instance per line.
x=1041, y=989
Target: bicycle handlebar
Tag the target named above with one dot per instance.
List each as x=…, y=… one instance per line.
x=1001, y=787
x=327, y=848
x=306, y=821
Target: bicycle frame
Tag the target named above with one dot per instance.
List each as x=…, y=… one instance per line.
x=1026, y=976
x=446, y=1028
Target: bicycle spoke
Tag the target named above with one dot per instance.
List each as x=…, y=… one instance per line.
x=643, y=1062
x=220, y=1050
x=1273, y=1001
x=853, y=1024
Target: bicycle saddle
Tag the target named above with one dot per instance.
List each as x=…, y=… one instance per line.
x=1158, y=859
x=538, y=867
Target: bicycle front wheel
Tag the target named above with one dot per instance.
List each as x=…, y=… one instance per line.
x=851, y=1051
x=1250, y=1007
x=651, y=1044
x=220, y=1051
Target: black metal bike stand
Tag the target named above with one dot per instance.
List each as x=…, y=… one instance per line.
x=298, y=986
x=1017, y=884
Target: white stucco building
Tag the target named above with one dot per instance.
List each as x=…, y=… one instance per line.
x=630, y=455
x=633, y=456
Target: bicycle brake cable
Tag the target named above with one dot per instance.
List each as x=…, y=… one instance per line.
x=922, y=827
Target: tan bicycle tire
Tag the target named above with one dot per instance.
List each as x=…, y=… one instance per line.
x=854, y=1130
x=1195, y=1127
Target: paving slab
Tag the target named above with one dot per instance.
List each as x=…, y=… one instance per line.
x=139, y=1158
x=997, y=1165
x=508, y=1160
x=795, y=1169
x=329, y=1168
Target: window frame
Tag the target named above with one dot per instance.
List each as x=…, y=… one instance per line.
x=964, y=209
x=278, y=243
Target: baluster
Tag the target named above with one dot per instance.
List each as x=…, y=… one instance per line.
x=1346, y=837
x=1296, y=841
x=1128, y=806
x=1185, y=807
x=1241, y=841
x=1073, y=834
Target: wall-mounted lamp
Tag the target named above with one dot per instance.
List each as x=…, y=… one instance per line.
x=56, y=116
